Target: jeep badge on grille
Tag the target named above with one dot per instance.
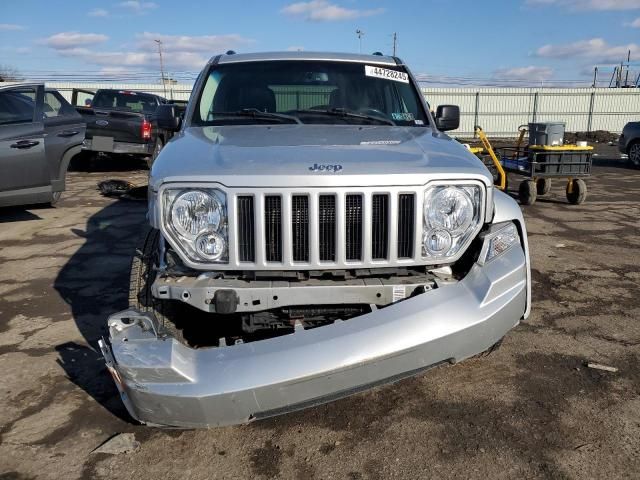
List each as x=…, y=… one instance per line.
x=325, y=168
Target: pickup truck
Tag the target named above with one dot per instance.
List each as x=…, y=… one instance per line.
x=122, y=122
x=313, y=232
x=40, y=132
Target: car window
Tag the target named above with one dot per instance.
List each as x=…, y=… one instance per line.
x=307, y=88
x=56, y=106
x=126, y=101
x=17, y=106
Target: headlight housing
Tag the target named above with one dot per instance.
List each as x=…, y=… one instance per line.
x=452, y=214
x=197, y=221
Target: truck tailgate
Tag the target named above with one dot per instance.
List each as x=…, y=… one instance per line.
x=121, y=126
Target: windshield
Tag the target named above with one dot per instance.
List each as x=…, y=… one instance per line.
x=313, y=92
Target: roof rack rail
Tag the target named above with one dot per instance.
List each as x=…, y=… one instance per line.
x=378, y=54
x=230, y=52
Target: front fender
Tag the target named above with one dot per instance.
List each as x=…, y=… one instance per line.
x=506, y=209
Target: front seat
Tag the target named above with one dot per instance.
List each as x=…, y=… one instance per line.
x=261, y=98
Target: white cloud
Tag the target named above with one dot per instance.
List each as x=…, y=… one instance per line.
x=636, y=23
x=595, y=49
x=209, y=44
x=179, y=52
x=531, y=73
x=9, y=27
x=295, y=48
x=323, y=11
x=72, y=40
x=581, y=5
x=98, y=12
x=139, y=7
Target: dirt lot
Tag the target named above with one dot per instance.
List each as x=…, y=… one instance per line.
x=532, y=409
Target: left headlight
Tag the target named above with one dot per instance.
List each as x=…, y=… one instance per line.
x=197, y=221
x=451, y=216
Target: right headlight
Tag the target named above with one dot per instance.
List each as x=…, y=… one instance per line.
x=197, y=221
x=451, y=216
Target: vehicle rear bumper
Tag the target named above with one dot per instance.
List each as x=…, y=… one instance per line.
x=145, y=149
x=163, y=382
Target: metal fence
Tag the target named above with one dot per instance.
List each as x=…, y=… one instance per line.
x=500, y=111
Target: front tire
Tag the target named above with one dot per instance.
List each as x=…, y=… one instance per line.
x=143, y=273
x=527, y=192
x=543, y=185
x=634, y=153
x=156, y=151
x=578, y=191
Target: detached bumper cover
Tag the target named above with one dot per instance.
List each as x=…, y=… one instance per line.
x=166, y=383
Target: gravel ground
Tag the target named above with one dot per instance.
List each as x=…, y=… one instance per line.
x=532, y=409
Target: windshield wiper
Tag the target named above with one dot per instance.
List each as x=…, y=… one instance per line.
x=343, y=112
x=255, y=113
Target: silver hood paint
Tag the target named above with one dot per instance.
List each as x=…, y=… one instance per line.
x=281, y=156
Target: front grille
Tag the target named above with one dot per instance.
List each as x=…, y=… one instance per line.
x=300, y=227
x=379, y=227
x=246, y=248
x=273, y=228
x=406, y=221
x=353, y=227
x=320, y=229
x=327, y=228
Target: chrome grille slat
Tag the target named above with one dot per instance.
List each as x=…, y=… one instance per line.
x=406, y=225
x=246, y=229
x=273, y=228
x=353, y=227
x=327, y=228
x=300, y=228
x=379, y=227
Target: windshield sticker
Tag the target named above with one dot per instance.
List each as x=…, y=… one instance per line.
x=385, y=73
x=403, y=116
x=419, y=122
x=381, y=142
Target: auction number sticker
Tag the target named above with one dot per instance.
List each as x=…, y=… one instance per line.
x=378, y=72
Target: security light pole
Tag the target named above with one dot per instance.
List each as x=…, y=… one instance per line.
x=164, y=86
x=395, y=43
x=360, y=34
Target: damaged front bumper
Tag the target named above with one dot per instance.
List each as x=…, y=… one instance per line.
x=164, y=382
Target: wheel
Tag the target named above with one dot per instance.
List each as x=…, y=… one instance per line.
x=634, y=153
x=527, y=192
x=543, y=185
x=156, y=152
x=55, y=196
x=141, y=279
x=578, y=191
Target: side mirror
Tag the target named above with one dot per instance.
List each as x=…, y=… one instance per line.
x=447, y=117
x=168, y=117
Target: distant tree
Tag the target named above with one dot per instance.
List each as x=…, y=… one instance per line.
x=9, y=74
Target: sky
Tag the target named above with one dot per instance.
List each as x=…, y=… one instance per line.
x=446, y=41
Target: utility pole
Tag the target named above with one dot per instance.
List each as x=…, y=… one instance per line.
x=395, y=43
x=595, y=77
x=164, y=85
x=360, y=34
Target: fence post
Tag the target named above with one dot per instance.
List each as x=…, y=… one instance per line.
x=590, y=117
x=535, y=107
x=475, y=113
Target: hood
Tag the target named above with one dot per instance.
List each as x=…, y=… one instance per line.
x=314, y=155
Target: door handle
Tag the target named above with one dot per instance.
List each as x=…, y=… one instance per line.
x=23, y=144
x=68, y=133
